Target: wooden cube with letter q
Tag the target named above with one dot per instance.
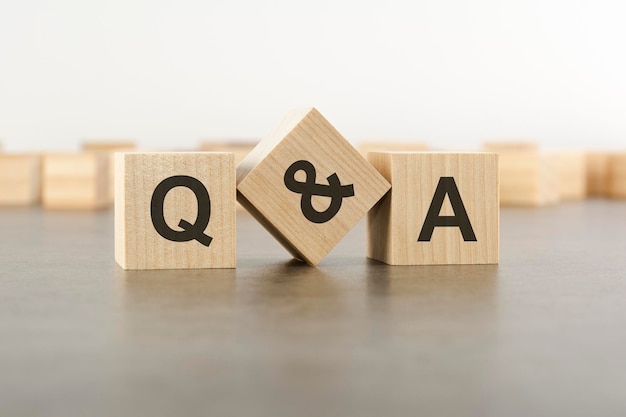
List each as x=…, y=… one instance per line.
x=175, y=210
x=307, y=185
x=442, y=209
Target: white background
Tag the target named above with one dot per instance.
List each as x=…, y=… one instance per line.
x=450, y=72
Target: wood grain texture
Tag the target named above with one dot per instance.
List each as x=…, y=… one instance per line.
x=20, y=179
x=572, y=167
x=240, y=149
x=394, y=224
x=597, y=174
x=137, y=243
x=306, y=135
x=76, y=181
x=617, y=176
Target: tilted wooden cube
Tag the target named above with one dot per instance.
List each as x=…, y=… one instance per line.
x=20, y=179
x=76, y=181
x=442, y=209
x=175, y=210
x=307, y=185
x=617, y=175
x=597, y=174
x=572, y=174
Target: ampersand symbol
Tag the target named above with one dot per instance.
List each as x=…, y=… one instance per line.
x=309, y=188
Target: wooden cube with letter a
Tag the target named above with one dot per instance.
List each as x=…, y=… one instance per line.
x=175, y=210
x=307, y=185
x=442, y=209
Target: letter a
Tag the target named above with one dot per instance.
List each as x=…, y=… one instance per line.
x=447, y=185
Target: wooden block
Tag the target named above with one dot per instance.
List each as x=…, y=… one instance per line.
x=528, y=179
x=76, y=181
x=384, y=146
x=175, y=210
x=109, y=145
x=597, y=174
x=617, y=176
x=307, y=185
x=442, y=209
x=19, y=179
x=572, y=167
x=511, y=146
x=241, y=149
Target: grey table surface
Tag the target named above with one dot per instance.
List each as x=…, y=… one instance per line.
x=541, y=334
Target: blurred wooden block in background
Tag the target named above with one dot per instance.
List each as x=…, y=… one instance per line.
x=597, y=174
x=443, y=208
x=103, y=145
x=384, y=146
x=76, y=181
x=307, y=185
x=617, y=175
x=175, y=210
x=109, y=147
x=510, y=146
x=239, y=148
x=20, y=176
x=528, y=178
x=572, y=168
